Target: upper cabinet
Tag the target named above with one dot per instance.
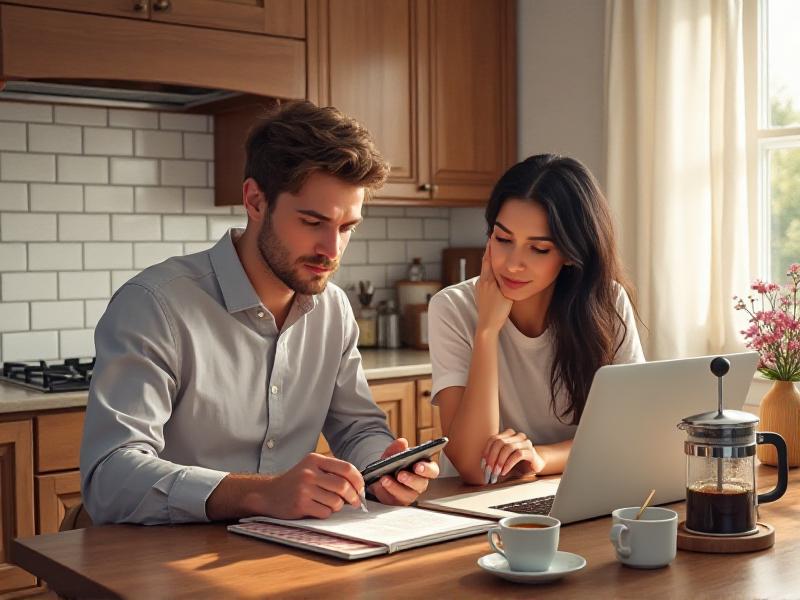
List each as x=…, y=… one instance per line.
x=274, y=17
x=433, y=80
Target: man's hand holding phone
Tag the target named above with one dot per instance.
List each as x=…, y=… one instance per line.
x=403, y=488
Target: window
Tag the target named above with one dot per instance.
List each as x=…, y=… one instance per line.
x=775, y=135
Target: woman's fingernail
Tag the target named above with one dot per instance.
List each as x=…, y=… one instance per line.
x=495, y=474
x=483, y=464
x=487, y=474
x=419, y=468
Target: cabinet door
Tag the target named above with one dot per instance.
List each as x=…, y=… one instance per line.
x=275, y=17
x=57, y=494
x=368, y=59
x=397, y=401
x=16, y=499
x=139, y=9
x=473, y=96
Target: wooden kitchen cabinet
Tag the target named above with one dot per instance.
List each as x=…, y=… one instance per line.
x=16, y=499
x=433, y=80
x=56, y=494
x=397, y=401
x=136, y=9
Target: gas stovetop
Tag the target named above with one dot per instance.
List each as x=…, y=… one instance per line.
x=72, y=375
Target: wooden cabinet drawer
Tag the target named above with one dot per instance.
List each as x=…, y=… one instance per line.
x=58, y=441
x=57, y=493
x=427, y=414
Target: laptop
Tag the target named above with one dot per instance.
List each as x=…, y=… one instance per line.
x=626, y=444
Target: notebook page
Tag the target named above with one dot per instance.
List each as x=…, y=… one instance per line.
x=388, y=525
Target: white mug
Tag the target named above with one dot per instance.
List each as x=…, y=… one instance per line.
x=529, y=542
x=647, y=543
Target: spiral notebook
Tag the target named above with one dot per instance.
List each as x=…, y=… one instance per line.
x=352, y=534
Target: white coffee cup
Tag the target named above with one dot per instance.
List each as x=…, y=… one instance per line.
x=647, y=543
x=529, y=542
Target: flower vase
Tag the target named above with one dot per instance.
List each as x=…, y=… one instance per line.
x=780, y=413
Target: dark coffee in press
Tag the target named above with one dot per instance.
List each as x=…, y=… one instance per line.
x=729, y=510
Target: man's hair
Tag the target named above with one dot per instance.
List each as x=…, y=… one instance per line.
x=299, y=139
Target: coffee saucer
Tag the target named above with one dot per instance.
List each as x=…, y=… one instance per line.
x=564, y=563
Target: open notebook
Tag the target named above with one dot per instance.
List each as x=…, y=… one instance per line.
x=352, y=534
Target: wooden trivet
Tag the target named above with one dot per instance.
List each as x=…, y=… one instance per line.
x=763, y=539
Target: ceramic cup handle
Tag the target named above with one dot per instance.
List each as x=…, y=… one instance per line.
x=617, y=532
x=495, y=532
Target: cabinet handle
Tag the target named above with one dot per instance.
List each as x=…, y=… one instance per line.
x=140, y=5
x=161, y=5
x=426, y=393
x=425, y=187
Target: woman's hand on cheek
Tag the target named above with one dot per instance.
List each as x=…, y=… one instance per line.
x=493, y=306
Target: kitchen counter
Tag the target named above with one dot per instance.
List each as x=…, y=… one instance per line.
x=378, y=364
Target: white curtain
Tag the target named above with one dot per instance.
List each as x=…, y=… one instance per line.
x=677, y=167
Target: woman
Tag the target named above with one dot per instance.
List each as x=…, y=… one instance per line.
x=514, y=350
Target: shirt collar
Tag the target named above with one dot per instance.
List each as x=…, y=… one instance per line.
x=237, y=290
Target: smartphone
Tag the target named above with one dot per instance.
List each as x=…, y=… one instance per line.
x=374, y=471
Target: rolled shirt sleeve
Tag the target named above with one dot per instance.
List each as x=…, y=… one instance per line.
x=133, y=390
x=355, y=426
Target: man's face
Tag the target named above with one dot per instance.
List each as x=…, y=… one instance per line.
x=303, y=239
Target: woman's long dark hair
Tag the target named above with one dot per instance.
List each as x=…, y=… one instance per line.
x=582, y=315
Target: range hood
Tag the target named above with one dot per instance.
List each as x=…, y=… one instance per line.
x=117, y=94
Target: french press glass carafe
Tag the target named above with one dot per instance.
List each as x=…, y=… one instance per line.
x=721, y=496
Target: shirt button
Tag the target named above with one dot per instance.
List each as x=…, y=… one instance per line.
x=270, y=444
x=274, y=389
x=260, y=314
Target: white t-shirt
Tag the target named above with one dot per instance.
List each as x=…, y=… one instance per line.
x=523, y=363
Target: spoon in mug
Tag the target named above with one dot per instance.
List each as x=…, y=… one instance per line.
x=645, y=503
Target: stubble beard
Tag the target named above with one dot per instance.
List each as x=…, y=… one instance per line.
x=277, y=257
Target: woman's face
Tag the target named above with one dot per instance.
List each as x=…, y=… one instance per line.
x=525, y=259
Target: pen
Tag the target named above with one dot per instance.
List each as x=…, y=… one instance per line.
x=363, y=501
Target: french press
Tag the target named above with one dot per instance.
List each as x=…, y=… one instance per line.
x=721, y=498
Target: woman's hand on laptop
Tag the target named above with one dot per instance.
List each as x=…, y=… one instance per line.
x=509, y=451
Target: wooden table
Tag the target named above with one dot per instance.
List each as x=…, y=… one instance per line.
x=207, y=561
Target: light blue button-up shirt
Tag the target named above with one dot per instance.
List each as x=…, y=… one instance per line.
x=194, y=380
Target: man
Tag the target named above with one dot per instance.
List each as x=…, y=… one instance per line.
x=216, y=372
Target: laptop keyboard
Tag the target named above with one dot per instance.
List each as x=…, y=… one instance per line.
x=533, y=506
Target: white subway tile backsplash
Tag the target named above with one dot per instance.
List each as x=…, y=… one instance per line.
x=198, y=145
x=83, y=169
x=38, y=345
x=183, y=122
x=110, y=142
x=26, y=111
x=383, y=211
x=108, y=198
x=192, y=247
x=119, y=278
x=84, y=284
x=54, y=257
x=132, y=228
x=184, y=228
x=437, y=229
x=355, y=253
x=77, y=343
x=238, y=210
x=158, y=199
x=211, y=174
x=56, y=197
x=15, y=166
x=13, y=257
x=375, y=274
x=81, y=115
x=404, y=229
x=57, y=315
x=201, y=200
x=140, y=119
x=217, y=226
x=13, y=136
x=386, y=252
x=13, y=196
x=146, y=254
x=159, y=144
x=94, y=310
x=426, y=211
x=29, y=286
x=427, y=251
x=27, y=227
x=371, y=228
x=14, y=316
x=134, y=171
x=83, y=228
x=112, y=255
x=183, y=172
x=65, y=139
